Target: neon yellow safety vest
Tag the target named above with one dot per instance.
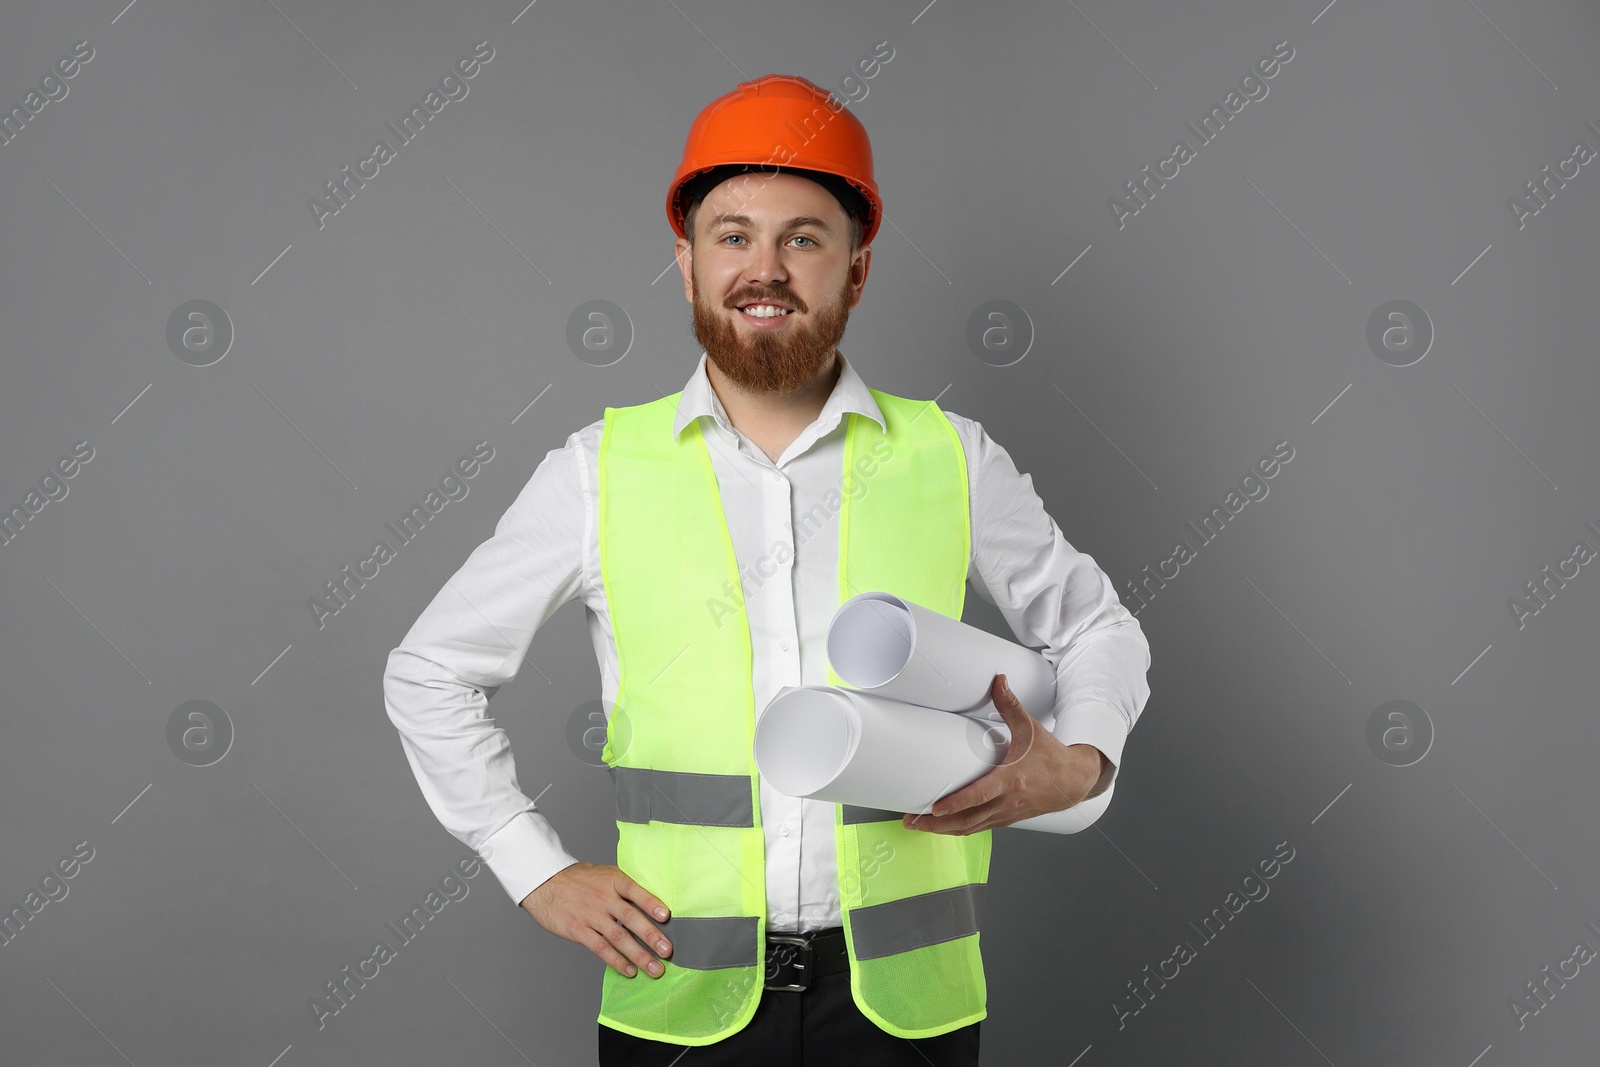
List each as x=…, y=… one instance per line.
x=679, y=740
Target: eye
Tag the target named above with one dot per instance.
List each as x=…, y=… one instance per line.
x=733, y=236
x=803, y=237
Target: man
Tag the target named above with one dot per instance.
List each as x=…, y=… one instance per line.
x=711, y=535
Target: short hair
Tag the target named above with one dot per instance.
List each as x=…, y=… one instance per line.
x=694, y=192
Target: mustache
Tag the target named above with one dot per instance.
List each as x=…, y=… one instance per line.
x=776, y=297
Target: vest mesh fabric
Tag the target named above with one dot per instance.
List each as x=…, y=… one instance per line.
x=684, y=719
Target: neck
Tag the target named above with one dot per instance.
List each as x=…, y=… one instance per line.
x=773, y=420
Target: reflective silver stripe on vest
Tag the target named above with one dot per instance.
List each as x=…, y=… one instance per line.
x=704, y=943
x=925, y=919
x=853, y=814
x=683, y=797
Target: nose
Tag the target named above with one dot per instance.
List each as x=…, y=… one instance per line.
x=766, y=267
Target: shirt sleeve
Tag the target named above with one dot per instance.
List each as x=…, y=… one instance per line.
x=470, y=640
x=1053, y=595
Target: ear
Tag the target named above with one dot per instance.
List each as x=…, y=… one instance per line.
x=859, y=266
x=685, y=255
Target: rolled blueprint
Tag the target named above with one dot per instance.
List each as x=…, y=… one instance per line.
x=891, y=647
x=825, y=742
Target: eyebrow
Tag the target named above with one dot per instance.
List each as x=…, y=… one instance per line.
x=745, y=220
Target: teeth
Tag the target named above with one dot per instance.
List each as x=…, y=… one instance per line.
x=764, y=311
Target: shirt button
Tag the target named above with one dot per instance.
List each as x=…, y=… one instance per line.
x=784, y=831
x=784, y=645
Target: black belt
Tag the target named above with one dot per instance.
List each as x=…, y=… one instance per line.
x=793, y=960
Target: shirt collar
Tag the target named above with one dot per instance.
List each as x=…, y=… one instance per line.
x=850, y=393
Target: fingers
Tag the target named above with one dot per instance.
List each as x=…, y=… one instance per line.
x=1007, y=702
x=631, y=890
x=949, y=811
x=963, y=800
x=978, y=792
x=598, y=907
x=635, y=920
x=621, y=943
x=628, y=919
x=647, y=932
x=1017, y=719
x=609, y=947
x=1002, y=694
x=964, y=822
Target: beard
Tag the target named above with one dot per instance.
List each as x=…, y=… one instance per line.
x=771, y=361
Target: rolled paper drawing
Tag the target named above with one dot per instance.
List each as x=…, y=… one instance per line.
x=892, y=647
x=825, y=742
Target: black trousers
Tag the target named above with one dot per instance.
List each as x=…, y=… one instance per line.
x=820, y=1027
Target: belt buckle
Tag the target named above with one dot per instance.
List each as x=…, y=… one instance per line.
x=790, y=950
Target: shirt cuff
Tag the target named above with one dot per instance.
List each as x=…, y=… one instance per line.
x=1098, y=724
x=524, y=853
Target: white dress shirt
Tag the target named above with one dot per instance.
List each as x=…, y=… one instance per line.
x=472, y=637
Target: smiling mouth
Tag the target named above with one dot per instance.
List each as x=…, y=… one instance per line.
x=765, y=312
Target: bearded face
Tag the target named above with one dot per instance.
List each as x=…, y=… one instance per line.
x=773, y=354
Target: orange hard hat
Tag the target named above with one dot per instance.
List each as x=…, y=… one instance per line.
x=780, y=123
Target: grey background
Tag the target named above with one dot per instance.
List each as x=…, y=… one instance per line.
x=1228, y=315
